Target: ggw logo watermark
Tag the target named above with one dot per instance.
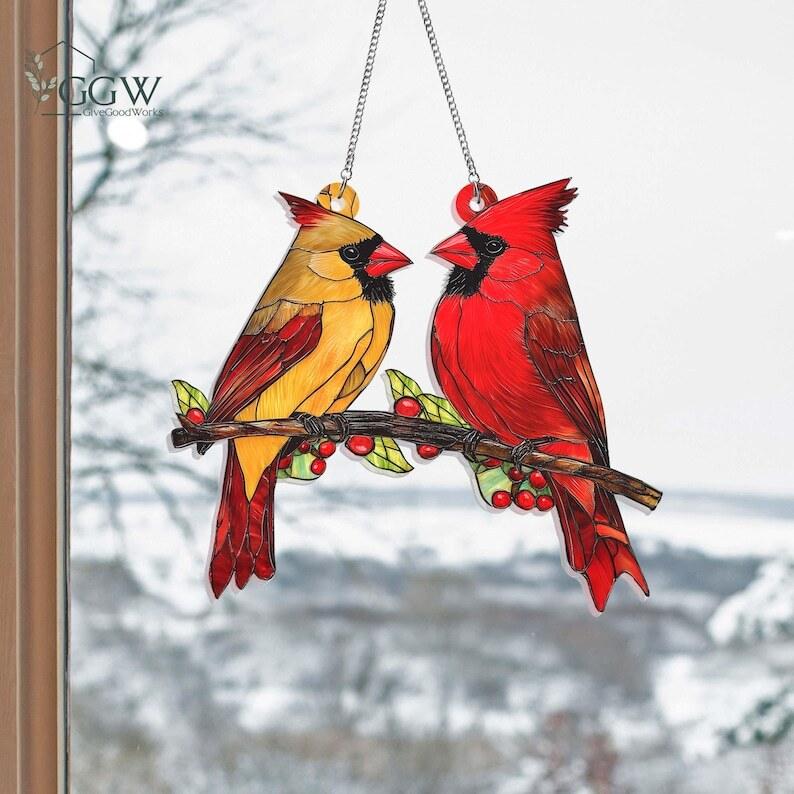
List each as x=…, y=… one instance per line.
x=86, y=93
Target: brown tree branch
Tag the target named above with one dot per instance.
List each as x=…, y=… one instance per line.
x=419, y=431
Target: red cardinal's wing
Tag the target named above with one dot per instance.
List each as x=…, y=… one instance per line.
x=557, y=349
x=281, y=336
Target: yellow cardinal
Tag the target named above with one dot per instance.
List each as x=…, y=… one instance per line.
x=311, y=345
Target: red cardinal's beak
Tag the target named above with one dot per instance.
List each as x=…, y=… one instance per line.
x=457, y=250
x=384, y=259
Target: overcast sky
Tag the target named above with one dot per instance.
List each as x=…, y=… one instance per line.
x=675, y=121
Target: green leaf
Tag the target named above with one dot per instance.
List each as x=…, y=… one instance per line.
x=188, y=397
x=387, y=456
x=491, y=480
x=299, y=468
x=437, y=409
x=402, y=385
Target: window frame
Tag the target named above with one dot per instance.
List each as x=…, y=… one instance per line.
x=34, y=364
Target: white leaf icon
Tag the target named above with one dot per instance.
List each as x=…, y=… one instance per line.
x=29, y=75
x=52, y=82
x=37, y=58
x=40, y=65
x=45, y=97
x=35, y=85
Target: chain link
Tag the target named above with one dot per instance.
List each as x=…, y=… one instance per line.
x=347, y=172
x=474, y=177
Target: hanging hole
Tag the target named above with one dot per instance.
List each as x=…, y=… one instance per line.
x=337, y=204
x=469, y=201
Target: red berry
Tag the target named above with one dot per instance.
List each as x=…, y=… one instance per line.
x=525, y=500
x=491, y=463
x=537, y=480
x=360, y=445
x=545, y=502
x=516, y=475
x=407, y=406
x=304, y=447
x=428, y=451
x=284, y=463
x=500, y=499
x=317, y=466
x=195, y=415
x=326, y=449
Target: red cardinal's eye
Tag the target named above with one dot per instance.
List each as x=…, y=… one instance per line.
x=494, y=247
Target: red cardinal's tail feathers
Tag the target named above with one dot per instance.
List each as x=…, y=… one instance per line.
x=596, y=542
x=611, y=558
x=244, y=530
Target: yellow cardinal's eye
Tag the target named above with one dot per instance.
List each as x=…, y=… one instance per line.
x=495, y=247
x=350, y=254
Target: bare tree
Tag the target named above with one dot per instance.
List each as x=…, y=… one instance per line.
x=207, y=126
x=206, y=122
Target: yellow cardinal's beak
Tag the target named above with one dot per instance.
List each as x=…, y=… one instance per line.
x=384, y=259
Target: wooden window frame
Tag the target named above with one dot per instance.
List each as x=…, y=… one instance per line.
x=34, y=355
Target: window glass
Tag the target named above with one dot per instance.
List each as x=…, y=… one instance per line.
x=412, y=640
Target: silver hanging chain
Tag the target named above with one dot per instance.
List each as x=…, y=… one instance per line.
x=347, y=172
x=474, y=177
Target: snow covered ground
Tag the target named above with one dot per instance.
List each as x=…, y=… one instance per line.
x=413, y=642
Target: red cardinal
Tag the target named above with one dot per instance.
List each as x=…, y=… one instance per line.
x=508, y=353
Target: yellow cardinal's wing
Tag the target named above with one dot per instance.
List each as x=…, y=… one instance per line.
x=365, y=369
x=265, y=350
x=276, y=339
